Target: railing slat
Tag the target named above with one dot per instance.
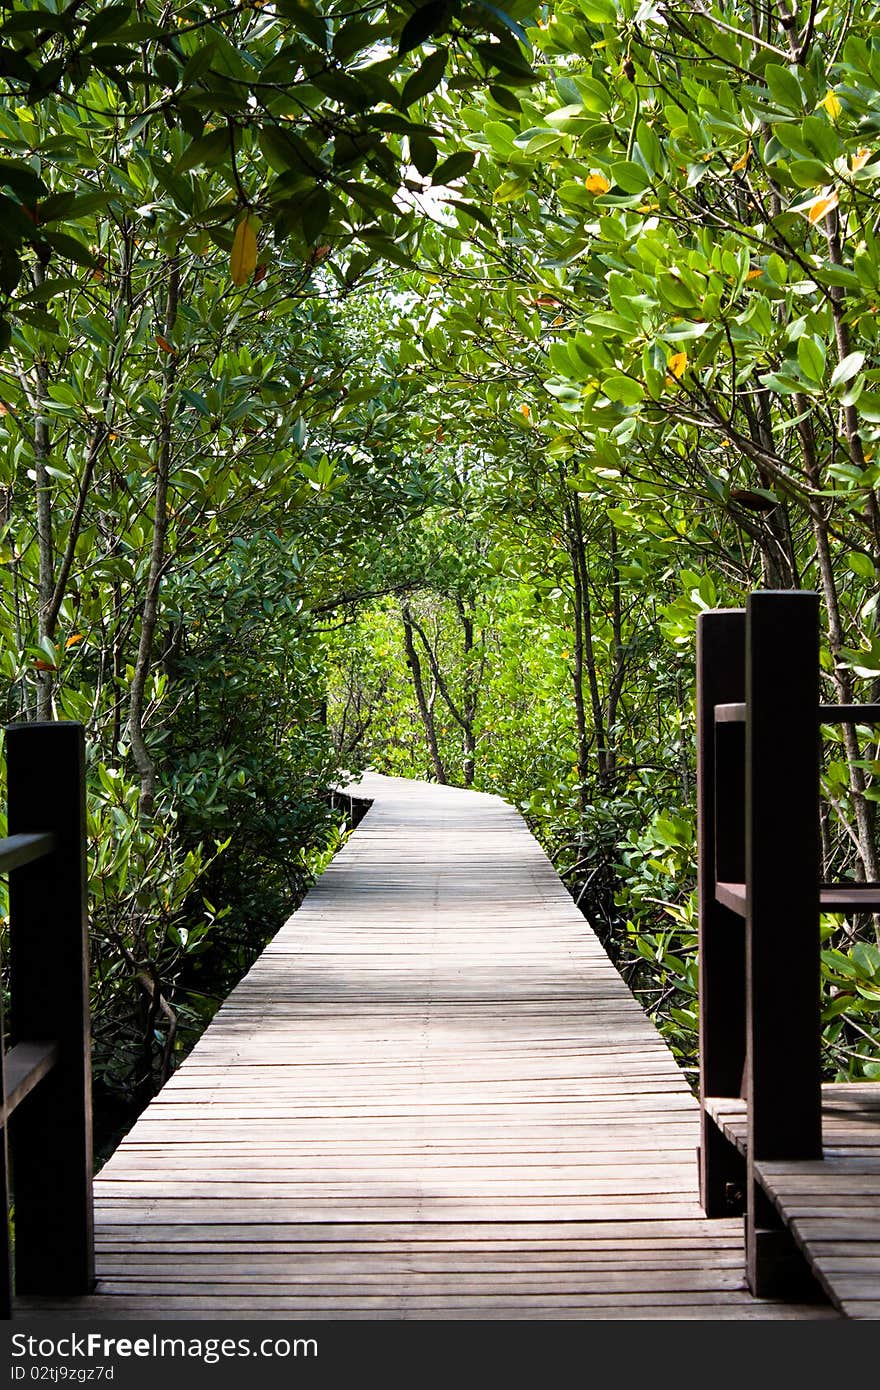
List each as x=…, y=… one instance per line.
x=17, y=850
x=26, y=1065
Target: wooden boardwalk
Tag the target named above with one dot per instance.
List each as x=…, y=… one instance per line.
x=432, y=1097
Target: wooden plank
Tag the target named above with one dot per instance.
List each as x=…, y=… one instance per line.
x=830, y=1204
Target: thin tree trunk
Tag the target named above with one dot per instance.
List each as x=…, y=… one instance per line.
x=777, y=552
x=615, y=685
x=469, y=702
x=150, y=611
x=588, y=648
x=464, y=717
x=45, y=538
x=427, y=714
x=843, y=343
x=580, y=713
x=839, y=674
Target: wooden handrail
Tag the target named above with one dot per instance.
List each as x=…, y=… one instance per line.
x=45, y=1077
x=17, y=850
x=735, y=713
x=25, y=1065
x=758, y=793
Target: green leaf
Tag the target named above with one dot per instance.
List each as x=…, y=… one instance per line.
x=454, y=167
x=866, y=958
x=506, y=21
x=821, y=136
x=471, y=210
x=505, y=99
x=208, y=150
x=650, y=148
x=510, y=189
x=784, y=87
x=808, y=173
x=847, y=369
x=196, y=400
x=861, y=565
x=429, y=19
x=20, y=177
x=778, y=381
x=198, y=64
x=306, y=18
x=598, y=11
x=166, y=70
x=355, y=34
x=285, y=150
x=630, y=177
x=622, y=389
x=428, y=76
x=811, y=357
x=838, y=275
x=422, y=152
x=70, y=248
x=342, y=88
x=315, y=214
x=106, y=22
x=567, y=118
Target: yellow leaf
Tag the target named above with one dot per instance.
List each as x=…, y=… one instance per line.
x=243, y=260
x=858, y=161
x=596, y=183
x=677, y=364
x=831, y=105
x=755, y=274
x=526, y=411
x=72, y=640
x=819, y=207
x=742, y=162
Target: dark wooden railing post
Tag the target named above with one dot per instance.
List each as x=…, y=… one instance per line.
x=721, y=641
x=6, y=1246
x=50, y=1132
x=783, y=1072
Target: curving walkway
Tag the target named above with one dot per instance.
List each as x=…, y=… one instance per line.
x=431, y=1097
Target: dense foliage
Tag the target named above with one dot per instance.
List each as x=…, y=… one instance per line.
x=395, y=385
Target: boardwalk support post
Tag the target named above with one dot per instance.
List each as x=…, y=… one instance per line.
x=783, y=1072
x=721, y=641
x=50, y=1131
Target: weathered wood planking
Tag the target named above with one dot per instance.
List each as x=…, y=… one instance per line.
x=432, y=1097
x=832, y=1204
